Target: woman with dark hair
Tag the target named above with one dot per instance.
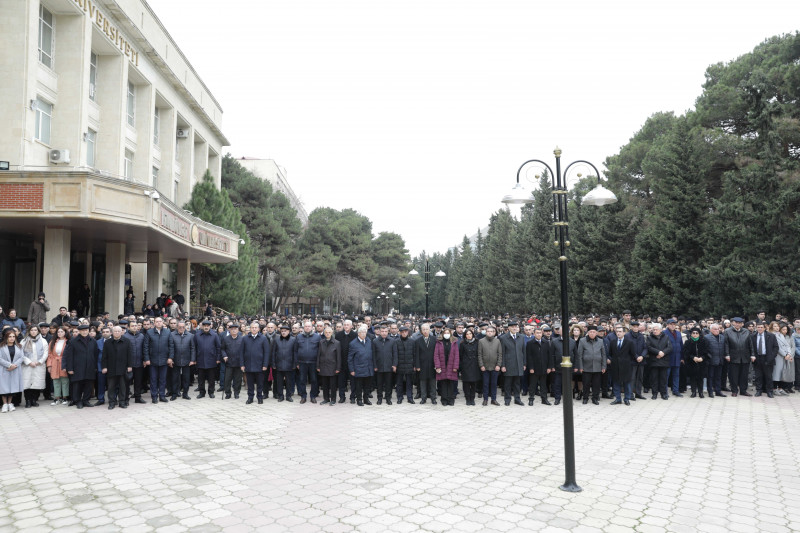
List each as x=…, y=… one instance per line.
x=445, y=361
x=468, y=361
x=60, y=377
x=784, y=357
x=575, y=334
x=10, y=374
x=696, y=358
x=34, y=357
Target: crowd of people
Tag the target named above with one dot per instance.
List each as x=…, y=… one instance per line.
x=71, y=360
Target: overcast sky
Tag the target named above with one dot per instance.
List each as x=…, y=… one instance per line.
x=418, y=113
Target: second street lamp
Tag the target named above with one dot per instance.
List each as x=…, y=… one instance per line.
x=439, y=274
x=597, y=196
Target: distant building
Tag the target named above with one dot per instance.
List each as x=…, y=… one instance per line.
x=268, y=169
x=106, y=129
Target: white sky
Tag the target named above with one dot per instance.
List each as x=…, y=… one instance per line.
x=418, y=113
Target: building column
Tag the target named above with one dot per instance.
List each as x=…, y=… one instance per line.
x=184, y=281
x=154, y=287
x=115, y=278
x=55, y=282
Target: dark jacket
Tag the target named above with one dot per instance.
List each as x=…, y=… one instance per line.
x=738, y=346
x=80, y=358
x=557, y=351
x=658, y=344
x=329, y=359
x=770, y=347
x=255, y=353
x=307, y=347
x=360, y=358
x=538, y=356
x=423, y=356
x=384, y=354
x=157, y=347
x=513, y=354
x=283, y=357
x=676, y=355
x=344, y=345
x=622, y=358
x=232, y=349
x=468, y=355
x=137, y=343
x=182, y=349
x=692, y=349
x=716, y=349
x=639, y=346
x=405, y=355
x=117, y=356
x=207, y=349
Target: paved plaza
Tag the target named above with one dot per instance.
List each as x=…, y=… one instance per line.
x=687, y=465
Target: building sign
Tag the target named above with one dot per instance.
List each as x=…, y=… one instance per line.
x=111, y=31
x=213, y=241
x=174, y=224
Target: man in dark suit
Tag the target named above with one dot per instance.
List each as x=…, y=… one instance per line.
x=513, y=367
x=622, y=356
x=765, y=347
x=539, y=363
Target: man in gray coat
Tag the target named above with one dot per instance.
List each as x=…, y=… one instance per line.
x=738, y=352
x=513, y=367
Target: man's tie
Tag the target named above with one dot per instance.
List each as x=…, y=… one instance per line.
x=761, y=344
x=619, y=344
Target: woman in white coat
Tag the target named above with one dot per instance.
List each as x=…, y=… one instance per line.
x=10, y=373
x=34, y=361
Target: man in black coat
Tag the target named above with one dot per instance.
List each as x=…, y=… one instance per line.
x=423, y=363
x=539, y=364
x=765, y=350
x=622, y=357
x=80, y=362
x=116, y=362
x=384, y=357
x=345, y=337
x=739, y=354
x=232, y=356
x=183, y=359
x=405, y=366
x=513, y=368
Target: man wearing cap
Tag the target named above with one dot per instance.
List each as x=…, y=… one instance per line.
x=384, y=355
x=405, y=366
x=157, y=350
x=232, y=358
x=539, y=363
x=80, y=362
x=38, y=309
x=658, y=349
x=117, y=361
x=715, y=342
x=675, y=357
x=591, y=361
x=255, y=360
x=513, y=366
x=283, y=360
x=208, y=352
x=183, y=358
x=738, y=353
x=636, y=335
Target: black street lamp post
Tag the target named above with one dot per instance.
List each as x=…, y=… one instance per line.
x=438, y=274
x=598, y=196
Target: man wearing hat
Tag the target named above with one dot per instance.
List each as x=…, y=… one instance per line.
x=208, y=351
x=283, y=360
x=232, y=357
x=738, y=353
x=591, y=360
x=636, y=336
x=183, y=358
x=513, y=367
x=117, y=361
x=405, y=366
x=80, y=362
x=675, y=357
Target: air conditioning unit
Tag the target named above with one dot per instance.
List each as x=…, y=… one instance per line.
x=59, y=156
x=183, y=134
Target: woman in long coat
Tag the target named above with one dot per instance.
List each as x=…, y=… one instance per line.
x=58, y=345
x=445, y=361
x=34, y=357
x=10, y=373
x=468, y=362
x=695, y=360
x=785, y=348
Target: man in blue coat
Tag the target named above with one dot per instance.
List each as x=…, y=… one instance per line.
x=208, y=350
x=255, y=359
x=307, y=349
x=360, y=363
x=676, y=357
x=157, y=348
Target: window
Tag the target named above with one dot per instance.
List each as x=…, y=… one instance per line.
x=131, y=105
x=155, y=177
x=44, y=114
x=156, y=125
x=46, y=35
x=91, y=146
x=93, y=77
x=128, y=165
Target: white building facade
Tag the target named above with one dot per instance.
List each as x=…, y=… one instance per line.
x=107, y=127
x=268, y=169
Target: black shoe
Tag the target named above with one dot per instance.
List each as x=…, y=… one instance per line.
x=640, y=397
x=79, y=405
x=530, y=400
x=494, y=402
x=388, y=402
x=617, y=402
x=411, y=401
x=770, y=395
x=485, y=402
x=139, y=400
x=111, y=406
x=726, y=389
x=664, y=397
x=332, y=403
x=260, y=401
x=325, y=402
x=249, y=401
x=34, y=403
x=655, y=397
x=302, y=401
x=27, y=404
x=557, y=402
x=173, y=397
x=524, y=393
x=101, y=402
x=352, y=400
x=360, y=403
x=89, y=404
x=380, y=401
x=210, y=394
x=163, y=399
x=289, y=399
x=341, y=399
x=745, y=393
x=677, y=394
x=236, y=396
x=518, y=402
x=627, y=402
x=220, y=389
x=758, y=394
x=422, y=401
x=313, y=400
x=227, y=395
x=546, y=402
x=700, y=394
x=719, y=394
x=123, y=405
x=433, y=401
x=367, y=402
x=595, y=401
x=694, y=395
x=586, y=400
x=201, y=395
x=399, y=400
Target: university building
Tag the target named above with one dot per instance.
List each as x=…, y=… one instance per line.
x=106, y=129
